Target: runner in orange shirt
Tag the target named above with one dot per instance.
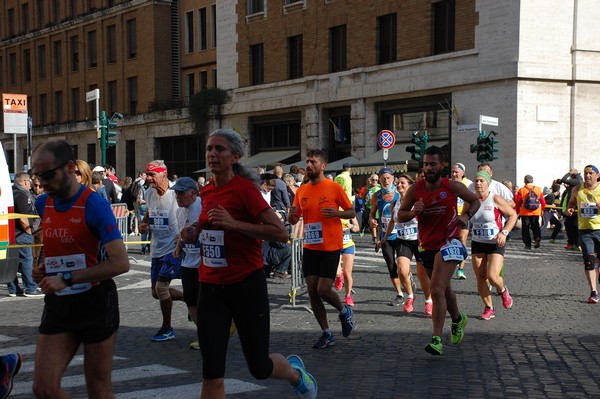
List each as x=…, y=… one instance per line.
x=319, y=203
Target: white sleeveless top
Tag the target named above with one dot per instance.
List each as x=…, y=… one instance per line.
x=486, y=223
x=408, y=231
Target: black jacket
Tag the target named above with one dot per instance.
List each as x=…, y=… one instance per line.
x=111, y=191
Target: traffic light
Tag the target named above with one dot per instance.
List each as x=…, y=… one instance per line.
x=492, y=146
x=485, y=147
x=107, y=133
x=415, y=150
x=420, y=145
x=480, y=148
x=110, y=133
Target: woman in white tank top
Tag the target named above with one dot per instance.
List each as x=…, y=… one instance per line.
x=488, y=237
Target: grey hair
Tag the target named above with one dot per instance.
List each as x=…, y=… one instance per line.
x=238, y=146
x=158, y=162
x=289, y=179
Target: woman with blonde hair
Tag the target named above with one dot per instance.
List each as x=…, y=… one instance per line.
x=290, y=182
x=489, y=233
x=83, y=173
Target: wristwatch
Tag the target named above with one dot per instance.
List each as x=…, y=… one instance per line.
x=505, y=232
x=68, y=278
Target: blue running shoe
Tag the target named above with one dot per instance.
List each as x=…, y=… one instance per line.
x=11, y=364
x=163, y=335
x=307, y=386
x=347, y=322
x=324, y=341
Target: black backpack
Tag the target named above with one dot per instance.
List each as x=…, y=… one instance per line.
x=532, y=200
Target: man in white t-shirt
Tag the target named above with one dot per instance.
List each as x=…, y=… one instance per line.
x=161, y=219
x=495, y=186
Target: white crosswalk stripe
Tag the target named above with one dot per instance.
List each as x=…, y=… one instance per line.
x=23, y=384
x=118, y=375
x=27, y=367
x=4, y=338
x=232, y=386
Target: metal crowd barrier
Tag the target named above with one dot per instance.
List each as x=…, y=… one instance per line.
x=297, y=279
x=122, y=215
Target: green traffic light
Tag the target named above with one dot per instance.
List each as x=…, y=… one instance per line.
x=485, y=147
x=107, y=133
x=416, y=139
x=417, y=151
x=111, y=133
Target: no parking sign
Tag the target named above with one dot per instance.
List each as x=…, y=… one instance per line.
x=386, y=140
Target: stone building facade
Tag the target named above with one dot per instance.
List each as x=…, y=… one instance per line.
x=298, y=72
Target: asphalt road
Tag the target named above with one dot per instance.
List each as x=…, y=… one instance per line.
x=545, y=347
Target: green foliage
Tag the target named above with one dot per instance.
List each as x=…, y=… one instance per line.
x=202, y=102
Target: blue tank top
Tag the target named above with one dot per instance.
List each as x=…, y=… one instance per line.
x=385, y=209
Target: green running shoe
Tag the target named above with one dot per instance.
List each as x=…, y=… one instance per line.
x=435, y=347
x=458, y=329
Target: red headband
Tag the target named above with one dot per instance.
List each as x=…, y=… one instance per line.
x=152, y=168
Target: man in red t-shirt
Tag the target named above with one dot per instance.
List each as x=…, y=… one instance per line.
x=319, y=203
x=433, y=201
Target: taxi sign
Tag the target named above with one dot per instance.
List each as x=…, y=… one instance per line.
x=14, y=107
x=386, y=139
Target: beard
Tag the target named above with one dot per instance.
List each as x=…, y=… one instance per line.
x=311, y=174
x=63, y=189
x=433, y=177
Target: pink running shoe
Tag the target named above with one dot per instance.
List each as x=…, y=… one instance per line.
x=507, y=301
x=349, y=301
x=409, y=305
x=488, y=313
x=339, y=283
x=428, y=308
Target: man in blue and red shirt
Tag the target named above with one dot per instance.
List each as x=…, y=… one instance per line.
x=433, y=201
x=84, y=250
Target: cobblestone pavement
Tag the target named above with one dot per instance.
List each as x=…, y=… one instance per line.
x=545, y=347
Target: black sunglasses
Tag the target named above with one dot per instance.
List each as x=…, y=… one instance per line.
x=49, y=174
